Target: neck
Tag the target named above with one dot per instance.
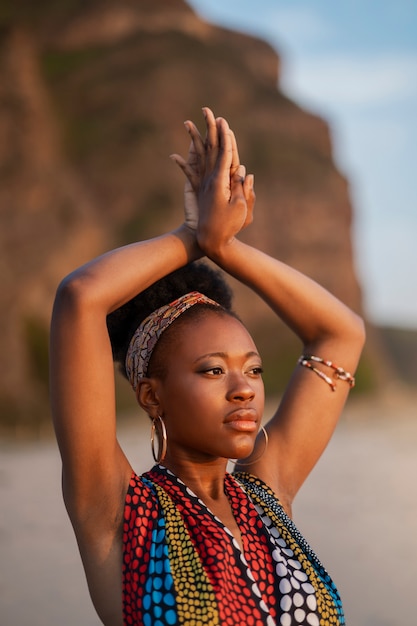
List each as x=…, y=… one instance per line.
x=205, y=479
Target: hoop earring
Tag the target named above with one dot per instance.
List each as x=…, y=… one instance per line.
x=238, y=462
x=162, y=447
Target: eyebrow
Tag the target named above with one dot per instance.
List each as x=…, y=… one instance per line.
x=224, y=355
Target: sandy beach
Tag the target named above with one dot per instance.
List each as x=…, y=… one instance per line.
x=358, y=509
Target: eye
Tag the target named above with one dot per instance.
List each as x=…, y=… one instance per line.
x=212, y=371
x=256, y=371
x=215, y=371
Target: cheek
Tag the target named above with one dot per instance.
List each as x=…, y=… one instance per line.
x=177, y=397
x=189, y=405
x=260, y=390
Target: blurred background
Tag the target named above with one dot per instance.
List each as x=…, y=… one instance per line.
x=323, y=99
x=355, y=63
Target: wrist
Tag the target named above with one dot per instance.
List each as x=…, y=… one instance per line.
x=220, y=252
x=187, y=236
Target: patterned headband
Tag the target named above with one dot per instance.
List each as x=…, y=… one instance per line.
x=149, y=331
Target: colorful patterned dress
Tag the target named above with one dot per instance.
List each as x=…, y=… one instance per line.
x=181, y=565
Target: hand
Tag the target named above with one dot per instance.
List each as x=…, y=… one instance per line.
x=191, y=167
x=194, y=166
x=226, y=197
x=215, y=176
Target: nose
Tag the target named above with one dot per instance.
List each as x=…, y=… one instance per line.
x=239, y=388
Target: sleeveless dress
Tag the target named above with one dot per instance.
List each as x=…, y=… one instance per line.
x=181, y=565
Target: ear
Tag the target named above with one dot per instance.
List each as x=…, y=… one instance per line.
x=147, y=397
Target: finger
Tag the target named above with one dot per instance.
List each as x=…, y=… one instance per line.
x=235, y=154
x=224, y=157
x=192, y=175
x=240, y=173
x=197, y=141
x=248, y=186
x=194, y=160
x=212, y=139
x=250, y=197
x=236, y=185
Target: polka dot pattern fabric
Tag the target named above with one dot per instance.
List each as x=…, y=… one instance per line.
x=309, y=596
x=181, y=565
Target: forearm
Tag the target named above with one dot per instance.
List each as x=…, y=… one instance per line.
x=112, y=279
x=315, y=315
x=81, y=364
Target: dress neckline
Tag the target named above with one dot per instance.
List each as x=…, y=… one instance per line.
x=239, y=501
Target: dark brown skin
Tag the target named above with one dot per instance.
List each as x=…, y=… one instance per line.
x=225, y=399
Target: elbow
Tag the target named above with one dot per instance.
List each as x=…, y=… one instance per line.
x=72, y=294
x=345, y=335
x=75, y=304
x=358, y=331
x=352, y=339
x=351, y=334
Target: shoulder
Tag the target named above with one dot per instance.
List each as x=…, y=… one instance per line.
x=253, y=484
x=142, y=507
x=261, y=493
x=141, y=494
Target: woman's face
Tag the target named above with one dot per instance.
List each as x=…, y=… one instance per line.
x=212, y=397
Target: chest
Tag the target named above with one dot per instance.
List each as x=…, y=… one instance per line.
x=223, y=512
x=209, y=556
x=224, y=559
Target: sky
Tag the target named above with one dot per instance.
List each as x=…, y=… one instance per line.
x=354, y=62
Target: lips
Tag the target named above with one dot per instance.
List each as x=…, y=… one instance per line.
x=241, y=415
x=243, y=419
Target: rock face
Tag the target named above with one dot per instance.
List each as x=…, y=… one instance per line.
x=92, y=99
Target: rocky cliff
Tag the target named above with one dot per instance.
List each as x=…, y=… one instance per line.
x=92, y=99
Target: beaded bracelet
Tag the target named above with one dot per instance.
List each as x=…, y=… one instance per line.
x=340, y=373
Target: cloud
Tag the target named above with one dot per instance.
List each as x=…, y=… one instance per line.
x=391, y=298
x=341, y=80
x=359, y=72
x=315, y=69
x=280, y=25
x=287, y=24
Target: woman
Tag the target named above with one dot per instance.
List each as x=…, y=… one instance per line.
x=188, y=543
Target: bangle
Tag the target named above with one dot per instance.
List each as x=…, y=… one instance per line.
x=307, y=360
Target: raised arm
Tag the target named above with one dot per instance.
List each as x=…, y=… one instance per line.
x=310, y=408
x=307, y=415
x=95, y=471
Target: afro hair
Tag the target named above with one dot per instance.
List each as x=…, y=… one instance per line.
x=196, y=276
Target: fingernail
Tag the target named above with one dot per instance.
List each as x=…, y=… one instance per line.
x=241, y=171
